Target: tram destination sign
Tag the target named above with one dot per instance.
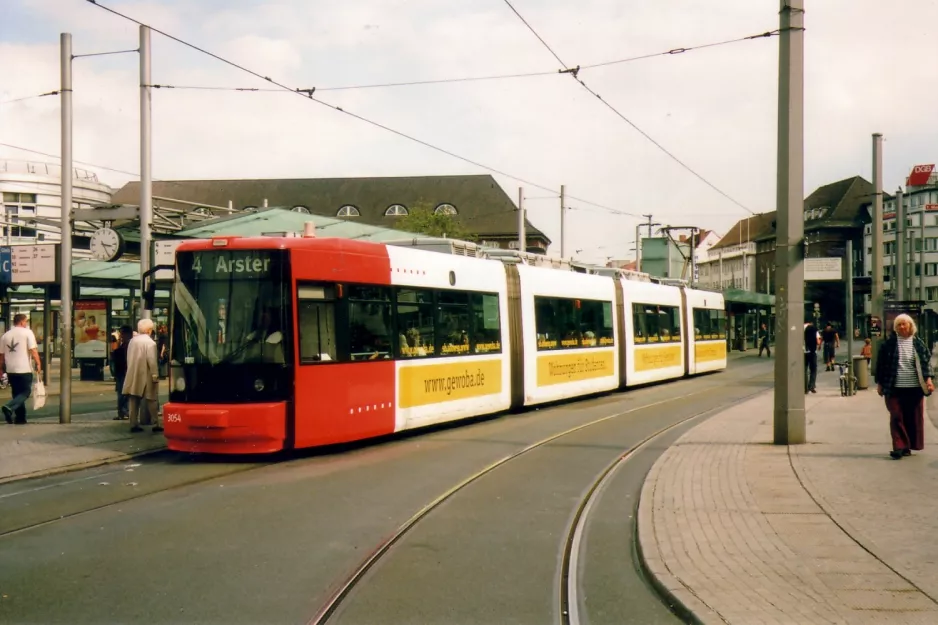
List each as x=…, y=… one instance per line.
x=229, y=265
x=29, y=264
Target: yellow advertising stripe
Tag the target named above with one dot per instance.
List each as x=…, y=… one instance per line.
x=651, y=358
x=572, y=367
x=422, y=385
x=708, y=352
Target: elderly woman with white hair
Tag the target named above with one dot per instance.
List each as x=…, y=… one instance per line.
x=141, y=384
x=904, y=376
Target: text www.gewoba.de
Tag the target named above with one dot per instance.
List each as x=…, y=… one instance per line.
x=450, y=383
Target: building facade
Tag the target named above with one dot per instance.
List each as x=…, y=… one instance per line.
x=476, y=202
x=32, y=199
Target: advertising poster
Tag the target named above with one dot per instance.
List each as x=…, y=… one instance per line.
x=90, y=328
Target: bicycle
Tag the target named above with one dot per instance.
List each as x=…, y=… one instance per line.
x=848, y=381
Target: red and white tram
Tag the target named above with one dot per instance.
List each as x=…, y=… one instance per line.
x=297, y=342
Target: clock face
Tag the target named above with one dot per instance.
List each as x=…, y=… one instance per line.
x=106, y=244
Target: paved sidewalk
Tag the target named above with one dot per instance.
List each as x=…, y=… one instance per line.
x=45, y=447
x=737, y=530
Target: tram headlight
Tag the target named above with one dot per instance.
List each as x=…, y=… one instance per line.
x=180, y=384
x=258, y=385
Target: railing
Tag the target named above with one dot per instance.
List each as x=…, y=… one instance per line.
x=45, y=169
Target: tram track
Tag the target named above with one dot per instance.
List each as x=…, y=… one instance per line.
x=569, y=608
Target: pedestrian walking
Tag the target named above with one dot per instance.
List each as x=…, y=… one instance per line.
x=17, y=347
x=831, y=345
x=764, y=334
x=904, y=376
x=119, y=364
x=812, y=340
x=141, y=383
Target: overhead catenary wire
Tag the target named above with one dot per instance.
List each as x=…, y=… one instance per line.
x=334, y=107
x=30, y=97
x=574, y=72
x=411, y=83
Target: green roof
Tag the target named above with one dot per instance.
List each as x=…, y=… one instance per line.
x=748, y=297
x=279, y=219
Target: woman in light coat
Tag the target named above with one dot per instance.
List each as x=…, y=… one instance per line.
x=143, y=375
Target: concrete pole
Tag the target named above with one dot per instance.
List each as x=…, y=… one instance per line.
x=789, y=416
x=65, y=248
x=146, y=174
x=46, y=333
x=921, y=258
x=563, y=247
x=638, y=247
x=521, y=237
x=876, y=294
x=849, y=270
x=898, y=291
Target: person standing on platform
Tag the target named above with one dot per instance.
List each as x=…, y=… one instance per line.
x=812, y=339
x=16, y=348
x=764, y=335
x=143, y=375
x=904, y=376
x=831, y=345
x=119, y=361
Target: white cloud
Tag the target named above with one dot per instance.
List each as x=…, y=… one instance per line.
x=867, y=70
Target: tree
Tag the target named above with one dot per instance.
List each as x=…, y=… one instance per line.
x=423, y=220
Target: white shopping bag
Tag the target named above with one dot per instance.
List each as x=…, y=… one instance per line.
x=39, y=395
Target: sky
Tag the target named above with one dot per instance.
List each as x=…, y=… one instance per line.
x=867, y=69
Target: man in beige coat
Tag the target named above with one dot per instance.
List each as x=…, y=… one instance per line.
x=143, y=375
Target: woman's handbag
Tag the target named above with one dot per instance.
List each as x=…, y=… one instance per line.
x=921, y=378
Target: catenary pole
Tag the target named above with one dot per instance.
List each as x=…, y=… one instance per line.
x=638, y=247
x=876, y=294
x=65, y=258
x=563, y=212
x=146, y=172
x=899, y=263
x=521, y=236
x=789, y=417
x=849, y=270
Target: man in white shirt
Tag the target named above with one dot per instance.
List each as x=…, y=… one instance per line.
x=17, y=346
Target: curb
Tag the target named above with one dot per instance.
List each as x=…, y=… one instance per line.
x=81, y=465
x=680, y=599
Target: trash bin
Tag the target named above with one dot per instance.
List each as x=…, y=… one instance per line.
x=91, y=369
x=861, y=371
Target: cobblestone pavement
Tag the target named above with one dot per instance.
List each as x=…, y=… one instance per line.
x=834, y=531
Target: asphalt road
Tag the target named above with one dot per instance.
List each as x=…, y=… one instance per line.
x=182, y=539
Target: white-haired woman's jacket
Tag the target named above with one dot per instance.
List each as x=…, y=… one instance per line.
x=142, y=368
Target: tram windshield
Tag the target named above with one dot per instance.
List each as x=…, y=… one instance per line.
x=230, y=307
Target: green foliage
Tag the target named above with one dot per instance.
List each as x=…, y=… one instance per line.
x=421, y=219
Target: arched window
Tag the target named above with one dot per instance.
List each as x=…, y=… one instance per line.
x=300, y=209
x=396, y=210
x=446, y=209
x=348, y=211
x=250, y=209
x=201, y=210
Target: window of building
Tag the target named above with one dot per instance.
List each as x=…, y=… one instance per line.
x=316, y=306
x=18, y=208
x=395, y=210
x=445, y=209
x=348, y=211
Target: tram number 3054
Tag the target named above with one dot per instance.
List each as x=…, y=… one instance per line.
x=173, y=417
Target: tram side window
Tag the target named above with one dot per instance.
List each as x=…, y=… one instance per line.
x=718, y=324
x=673, y=314
x=415, y=323
x=370, y=323
x=316, y=319
x=596, y=323
x=486, y=327
x=546, y=327
x=453, y=323
x=638, y=323
x=702, y=329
